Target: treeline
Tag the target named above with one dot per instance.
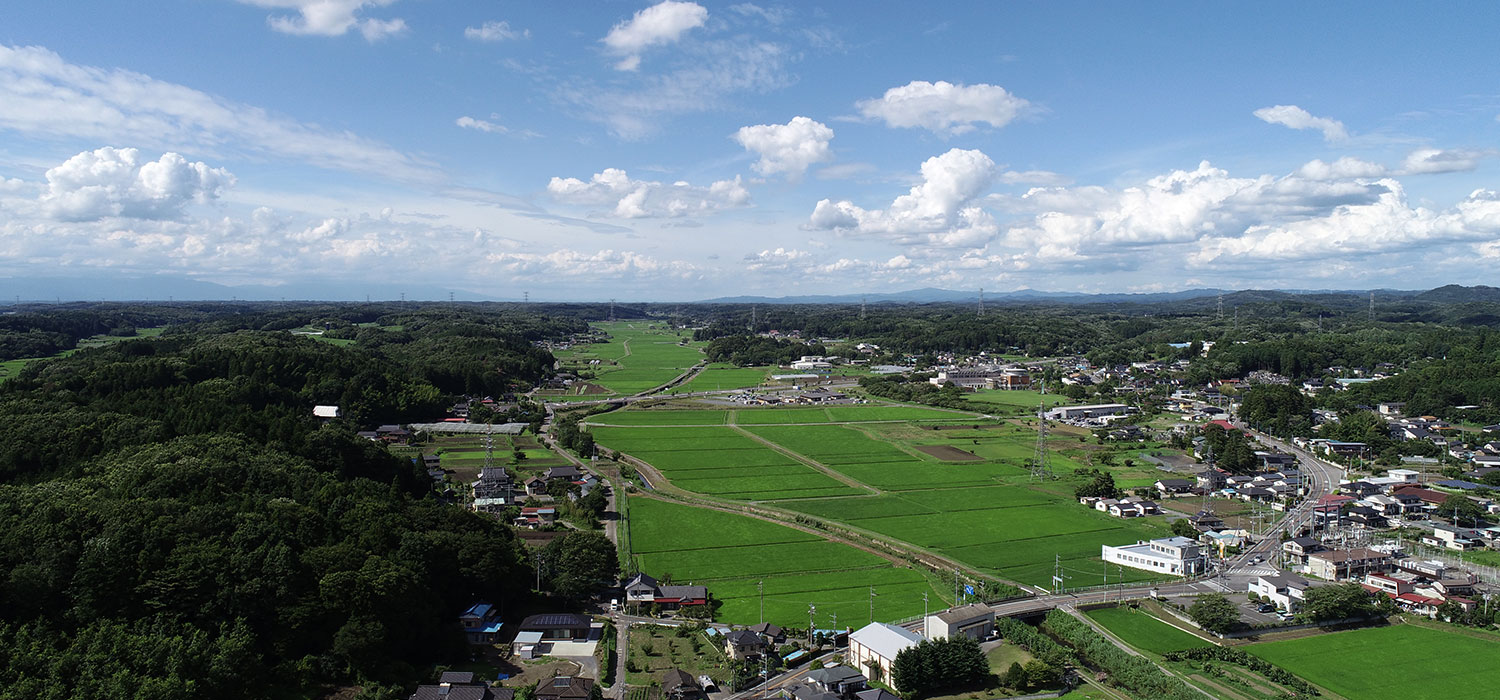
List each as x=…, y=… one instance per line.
x=260, y=385
x=914, y=389
x=751, y=350
x=215, y=566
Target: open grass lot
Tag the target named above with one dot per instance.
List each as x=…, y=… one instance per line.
x=719, y=376
x=1143, y=631
x=1411, y=662
x=730, y=553
x=1005, y=401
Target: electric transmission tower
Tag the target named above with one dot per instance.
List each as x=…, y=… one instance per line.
x=981, y=302
x=1039, y=468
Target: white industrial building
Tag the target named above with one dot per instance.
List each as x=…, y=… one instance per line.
x=873, y=648
x=1082, y=412
x=1178, y=556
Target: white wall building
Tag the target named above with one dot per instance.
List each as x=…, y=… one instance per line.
x=976, y=621
x=873, y=648
x=1177, y=556
x=1092, y=411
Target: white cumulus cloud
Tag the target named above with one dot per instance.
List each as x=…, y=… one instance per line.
x=1429, y=161
x=787, y=148
x=944, y=108
x=627, y=198
x=1294, y=117
x=330, y=18
x=117, y=182
x=662, y=23
x=938, y=211
x=495, y=31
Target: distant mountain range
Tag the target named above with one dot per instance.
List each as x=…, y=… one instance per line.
x=931, y=295
x=163, y=288
x=1448, y=294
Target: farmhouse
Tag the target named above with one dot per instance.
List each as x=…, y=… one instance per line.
x=1178, y=556
x=644, y=590
x=874, y=647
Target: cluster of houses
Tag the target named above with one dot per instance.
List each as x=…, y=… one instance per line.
x=1127, y=507
x=1273, y=487
x=496, y=490
x=1415, y=586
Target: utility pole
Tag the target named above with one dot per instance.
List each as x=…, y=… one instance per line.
x=924, y=613
x=872, y=604
x=811, y=609
x=760, y=588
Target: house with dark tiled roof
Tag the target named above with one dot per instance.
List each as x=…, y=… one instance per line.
x=642, y=589
x=564, y=688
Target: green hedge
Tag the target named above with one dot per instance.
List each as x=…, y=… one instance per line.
x=1140, y=676
x=1239, y=657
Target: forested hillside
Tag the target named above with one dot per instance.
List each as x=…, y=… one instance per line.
x=175, y=523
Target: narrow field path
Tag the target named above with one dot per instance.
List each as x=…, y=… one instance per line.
x=809, y=461
x=751, y=513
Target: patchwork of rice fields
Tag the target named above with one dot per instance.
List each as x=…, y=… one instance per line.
x=721, y=461
x=734, y=554
x=986, y=513
x=639, y=356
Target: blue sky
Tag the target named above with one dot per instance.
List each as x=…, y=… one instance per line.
x=682, y=150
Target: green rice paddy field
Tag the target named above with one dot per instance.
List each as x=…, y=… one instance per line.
x=1143, y=631
x=1004, y=401
x=1410, y=661
x=731, y=553
x=986, y=512
x=638, y=357
x=719, y=376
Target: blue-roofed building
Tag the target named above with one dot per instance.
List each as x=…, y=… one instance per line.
x=481, y=623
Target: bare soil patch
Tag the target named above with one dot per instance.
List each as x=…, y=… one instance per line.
x=948, y=453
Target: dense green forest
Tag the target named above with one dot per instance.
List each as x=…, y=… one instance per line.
x=177, y=524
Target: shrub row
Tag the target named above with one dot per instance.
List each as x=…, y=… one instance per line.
x=1134, y=673
x=1240, y=657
